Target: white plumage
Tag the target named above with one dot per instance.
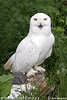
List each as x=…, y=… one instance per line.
x=34, y=48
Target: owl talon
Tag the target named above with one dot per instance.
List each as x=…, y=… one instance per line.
x=31, y=72
x=39, y=68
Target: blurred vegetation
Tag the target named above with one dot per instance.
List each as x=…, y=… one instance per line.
x=14, y=26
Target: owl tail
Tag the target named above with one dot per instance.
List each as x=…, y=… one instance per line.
x=9, y=63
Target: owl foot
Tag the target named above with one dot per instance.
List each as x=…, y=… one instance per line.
x=39, y=68
x=31, y=72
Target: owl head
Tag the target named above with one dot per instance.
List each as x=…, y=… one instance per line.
x=40, y=23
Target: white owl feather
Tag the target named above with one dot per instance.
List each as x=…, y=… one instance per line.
x=34, y=48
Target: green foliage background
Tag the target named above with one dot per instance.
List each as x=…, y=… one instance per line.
x=14, y=26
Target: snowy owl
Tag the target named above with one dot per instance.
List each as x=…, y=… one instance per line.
x=34, y=48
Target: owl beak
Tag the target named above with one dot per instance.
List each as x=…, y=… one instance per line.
x=40, y=26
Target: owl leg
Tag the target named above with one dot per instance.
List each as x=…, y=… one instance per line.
x=39, y=68
x=31, y=72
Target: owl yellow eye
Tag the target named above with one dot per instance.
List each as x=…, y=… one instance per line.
x=45, y=18
x=35, y=19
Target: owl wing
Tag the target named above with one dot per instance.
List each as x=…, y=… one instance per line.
x=26, y=56
x=49, y=53
x=9, y=63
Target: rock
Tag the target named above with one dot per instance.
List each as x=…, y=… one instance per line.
x=19, y=78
